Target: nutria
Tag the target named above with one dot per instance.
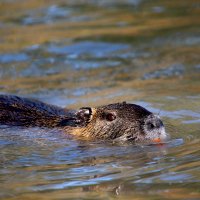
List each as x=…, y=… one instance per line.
x=115, y=122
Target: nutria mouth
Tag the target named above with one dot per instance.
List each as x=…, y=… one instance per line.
x=120, y=122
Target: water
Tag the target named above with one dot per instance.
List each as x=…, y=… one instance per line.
x=75, y=54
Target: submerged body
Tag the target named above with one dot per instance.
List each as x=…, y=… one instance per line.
x=116, y=122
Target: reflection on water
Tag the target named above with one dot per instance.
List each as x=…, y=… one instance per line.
x=19, y=57
x=174, y=70
x=97, y=49
x=75, y=54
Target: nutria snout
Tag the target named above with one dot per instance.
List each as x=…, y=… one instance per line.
x=120, y=122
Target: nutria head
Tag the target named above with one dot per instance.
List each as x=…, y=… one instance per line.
x=121, y=122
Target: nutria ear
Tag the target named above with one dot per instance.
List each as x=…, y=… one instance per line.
x=84, y=115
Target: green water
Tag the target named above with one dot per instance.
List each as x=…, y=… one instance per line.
x=90, y=53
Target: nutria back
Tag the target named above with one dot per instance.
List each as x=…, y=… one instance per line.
x=18, y=111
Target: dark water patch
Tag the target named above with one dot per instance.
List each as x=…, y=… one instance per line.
x=174, y=70
x=177, y=39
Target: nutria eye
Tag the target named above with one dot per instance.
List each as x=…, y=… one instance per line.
x=110, y=117
x=151, y=126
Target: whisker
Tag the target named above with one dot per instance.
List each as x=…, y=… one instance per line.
x=159, y=112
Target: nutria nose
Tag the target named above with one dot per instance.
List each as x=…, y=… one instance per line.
x=158, y=123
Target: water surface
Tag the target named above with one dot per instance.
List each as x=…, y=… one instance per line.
x=74, y=54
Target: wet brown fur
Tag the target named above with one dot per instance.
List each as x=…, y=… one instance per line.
x=120, y=121
x=17, y=111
